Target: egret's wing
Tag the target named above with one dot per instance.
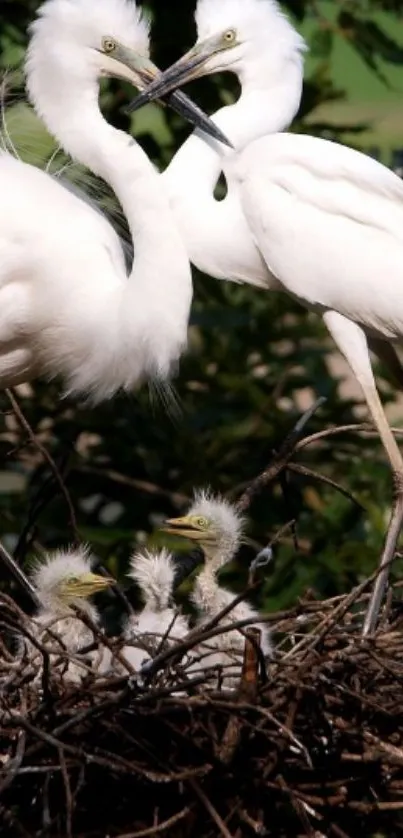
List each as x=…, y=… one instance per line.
x=25, y=138
x=100, y=197
x=329, y=224
x=335, y=178
x=40, y=211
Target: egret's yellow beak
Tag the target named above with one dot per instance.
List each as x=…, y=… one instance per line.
x=187, y=527
x=191, y=66
x=125, y=63
x=86, y=585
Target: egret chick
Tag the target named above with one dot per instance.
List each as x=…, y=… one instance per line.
x=217, y=527
x=63, y=580
x=154, y=573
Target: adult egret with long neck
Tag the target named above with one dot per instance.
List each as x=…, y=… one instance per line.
x=67, y=305
x=324, y=222
x=62, y=580
x=217, y=527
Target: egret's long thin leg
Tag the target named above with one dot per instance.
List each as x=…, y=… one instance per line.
x=352, y=342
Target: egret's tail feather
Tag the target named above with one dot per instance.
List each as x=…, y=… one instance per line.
x=163, y=393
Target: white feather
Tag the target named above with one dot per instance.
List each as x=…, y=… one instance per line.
x=154, y=574
x=210, y=598
x=55, y=621
x=67, y=305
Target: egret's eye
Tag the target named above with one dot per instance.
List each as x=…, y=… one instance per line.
x=202, y=523
x=108, y=44
x=72, y=580
x=229, y=37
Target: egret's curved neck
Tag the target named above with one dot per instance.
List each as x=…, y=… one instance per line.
x=114, y=156
x=260, y=110
x=216, y=233
x=143, y=321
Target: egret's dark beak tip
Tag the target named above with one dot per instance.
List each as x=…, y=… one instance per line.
x=137, y=103
x=185, y=107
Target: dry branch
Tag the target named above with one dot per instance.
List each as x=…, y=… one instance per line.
x=317, y=749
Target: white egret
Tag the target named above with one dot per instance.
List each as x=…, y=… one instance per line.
x=62, y=580
x=217, y=527
x=154, y=573
x=67, y=305
x=304, y=215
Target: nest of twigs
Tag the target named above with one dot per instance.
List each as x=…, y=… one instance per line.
x=311, y=744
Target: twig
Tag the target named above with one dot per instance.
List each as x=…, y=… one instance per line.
x=161, y=827
x=177, y=498
x=49, y=459
x=19, y=575
x=248, y=689
x=363, y=427
x=315, y=475
x=15, y=765
x=68, y=795
x=198, y=635
x=210, y=808
x=280, y=459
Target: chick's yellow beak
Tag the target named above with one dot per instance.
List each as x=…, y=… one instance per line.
x=184, y=527
x=91, y=583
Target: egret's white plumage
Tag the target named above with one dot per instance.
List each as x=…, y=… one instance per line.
x=67, y=305
x=312, y=218
x=154, y=573
x=217, y=527
x=62, y=580
x=269, y=66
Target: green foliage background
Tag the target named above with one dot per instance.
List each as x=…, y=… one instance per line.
x=251, y=358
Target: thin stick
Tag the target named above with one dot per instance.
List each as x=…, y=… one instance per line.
x=280, y=459
x=388, y=555
x=161, y=827
x=315, y=475
x=119, y=593
x=363, y=427
x=210, y=808
x=19, y=574
x=49, y=459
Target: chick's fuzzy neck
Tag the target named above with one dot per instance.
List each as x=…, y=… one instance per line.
x=208, y=596
x=59, y=608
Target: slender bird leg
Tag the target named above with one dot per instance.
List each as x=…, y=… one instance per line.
x=352, y=342
x=386, y=353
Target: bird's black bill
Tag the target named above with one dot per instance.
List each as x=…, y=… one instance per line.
x=192, y=113
x=145, y=73
x=168, y=81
